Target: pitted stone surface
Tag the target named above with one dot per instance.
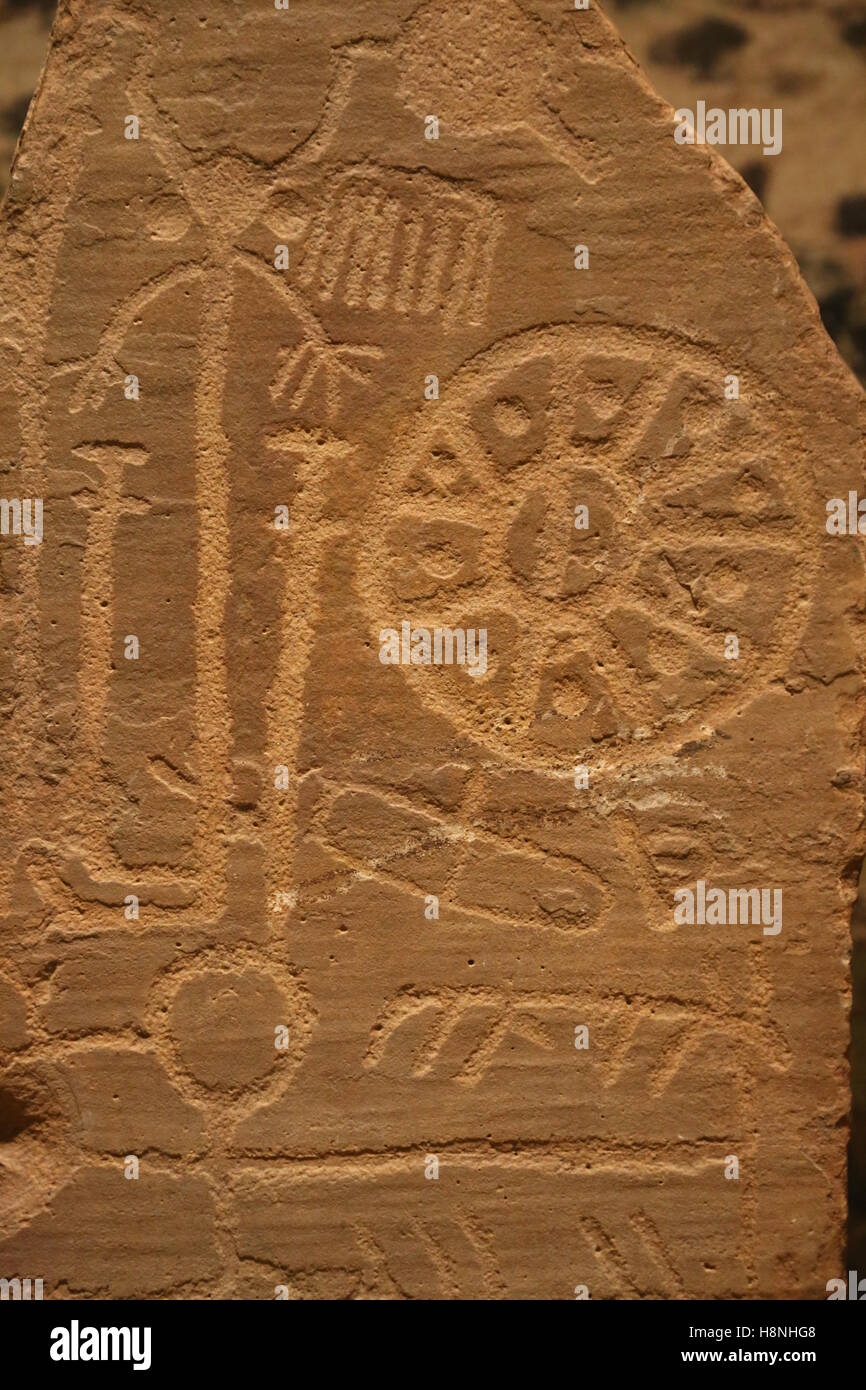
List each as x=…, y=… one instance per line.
x=374, y=966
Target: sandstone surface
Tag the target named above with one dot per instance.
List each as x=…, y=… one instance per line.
x=342, y=977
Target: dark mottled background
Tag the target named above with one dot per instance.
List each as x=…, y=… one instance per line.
x=807, y=57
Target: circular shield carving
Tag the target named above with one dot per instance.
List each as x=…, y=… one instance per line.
x=590, y=497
